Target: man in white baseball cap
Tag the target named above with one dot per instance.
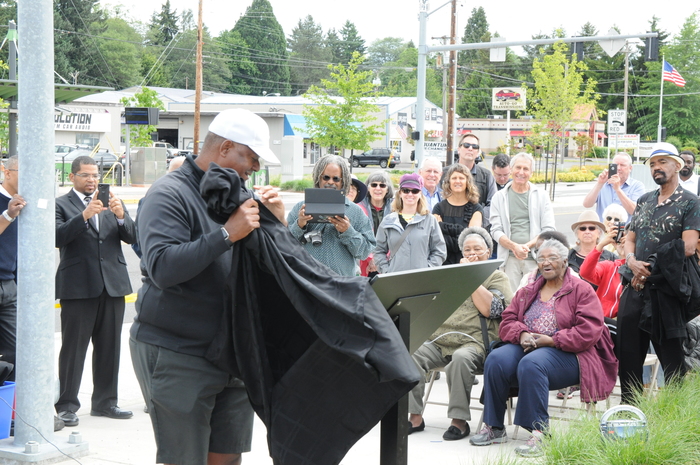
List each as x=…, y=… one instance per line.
x=200, y=414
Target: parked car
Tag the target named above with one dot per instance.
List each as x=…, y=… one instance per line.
x=102, y=158
x=189, y=148
x=61, y=149
x=381, y=157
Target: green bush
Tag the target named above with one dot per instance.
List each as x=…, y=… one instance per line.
x=298, y=185
x=676, y=141
x=600, y=152
x=276, y=180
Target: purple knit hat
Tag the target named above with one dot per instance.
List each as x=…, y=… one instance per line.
x=411, y=181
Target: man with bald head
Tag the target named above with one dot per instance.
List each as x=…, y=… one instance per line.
x=431, y=171
x=619, y=188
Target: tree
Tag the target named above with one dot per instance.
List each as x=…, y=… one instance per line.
x=350, y=42
x=182, y=62
x=309, y=57
x=140, y=135
x=345, y=99
x=164, y=25
x=118, y=45
x=333, y=43
x=476, y=30
x=241, y=67
x=400, y=78
x=267, y=44
x=155, y=73
x=559, y=89
x=385, y=50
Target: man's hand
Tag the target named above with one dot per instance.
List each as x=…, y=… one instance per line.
x=14, y=208
x=603, y=177
x=115, y=205
x=303, y=217
x=243, y=221
x=341, y=223
x=640, y=271
x=615, y=182
x=269, y=196
x=94, y=207
x=520, y=251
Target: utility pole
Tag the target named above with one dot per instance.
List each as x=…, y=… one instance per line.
x=449, y=158
x=198, y=83
x=12, y=36
x=441, y=64
x=627, y=73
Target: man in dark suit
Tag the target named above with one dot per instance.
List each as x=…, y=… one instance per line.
x=91, y=283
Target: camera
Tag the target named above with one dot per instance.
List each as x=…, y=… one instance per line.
x=620, y=230
x=313, y=237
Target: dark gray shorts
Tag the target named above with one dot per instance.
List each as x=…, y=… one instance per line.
x=195, y=407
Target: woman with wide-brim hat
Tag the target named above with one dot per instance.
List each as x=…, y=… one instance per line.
x=588, y=229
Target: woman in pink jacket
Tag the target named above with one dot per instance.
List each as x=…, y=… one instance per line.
x=555, y=337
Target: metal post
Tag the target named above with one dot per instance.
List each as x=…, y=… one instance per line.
x=422, y=65
x=36, y=266
x=127, y=155
x=12, y=128
x=449, y=158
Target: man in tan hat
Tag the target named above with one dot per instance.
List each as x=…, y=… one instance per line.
x=661, y=217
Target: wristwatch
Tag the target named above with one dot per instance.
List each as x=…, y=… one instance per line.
x=8, y=217
x=226, y=235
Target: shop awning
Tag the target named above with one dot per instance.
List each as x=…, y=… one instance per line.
x=63, y=93
x=295, y=125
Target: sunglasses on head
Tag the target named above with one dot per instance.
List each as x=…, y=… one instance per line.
x=610, y=218
x=590, y=228
x=410, y=191
x=328, y=178
x=467, y=145
x=378, y=184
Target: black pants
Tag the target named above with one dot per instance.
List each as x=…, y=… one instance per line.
x=633, y=343
x=100, y=320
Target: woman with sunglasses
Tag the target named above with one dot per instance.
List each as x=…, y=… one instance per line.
x=377, y=205
x=588, y=231
x=409, y=238
x=460, y=209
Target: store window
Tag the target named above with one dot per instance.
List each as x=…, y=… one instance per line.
x=396, y=145
x=88, y=139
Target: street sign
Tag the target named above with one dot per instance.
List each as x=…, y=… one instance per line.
x=623, y=141
x=612, y=46
x=508, y=98
x=617, y=122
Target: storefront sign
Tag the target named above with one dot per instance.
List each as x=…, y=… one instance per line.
x=83, y=122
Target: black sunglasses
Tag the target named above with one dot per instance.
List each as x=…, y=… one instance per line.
x=467, y=145
x=410, y=191
x=590, y=228
x=378, y=184
x=610, y=218
x=328, y=178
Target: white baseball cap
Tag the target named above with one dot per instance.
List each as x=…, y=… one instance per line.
x=247, y=128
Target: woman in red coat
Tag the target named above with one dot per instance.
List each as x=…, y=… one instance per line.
x=555, y=337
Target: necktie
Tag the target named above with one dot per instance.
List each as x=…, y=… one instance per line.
x=93, y=220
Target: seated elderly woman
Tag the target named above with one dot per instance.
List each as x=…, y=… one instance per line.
x=458, y=342
x=555, y=338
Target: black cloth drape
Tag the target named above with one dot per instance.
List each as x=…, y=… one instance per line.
x=320, y=357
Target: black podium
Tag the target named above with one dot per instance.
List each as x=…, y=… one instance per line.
x=420, y=301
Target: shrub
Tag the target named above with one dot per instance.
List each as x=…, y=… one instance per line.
x=298, y=185
x=276, y=180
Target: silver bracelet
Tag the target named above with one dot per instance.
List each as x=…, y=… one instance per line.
x=8, y=217
x=631, y=254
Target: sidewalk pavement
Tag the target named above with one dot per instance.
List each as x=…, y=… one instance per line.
x=131, y=442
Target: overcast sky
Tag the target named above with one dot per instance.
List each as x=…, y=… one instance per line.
x=377, y=19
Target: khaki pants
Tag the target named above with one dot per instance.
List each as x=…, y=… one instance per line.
x=465, y=364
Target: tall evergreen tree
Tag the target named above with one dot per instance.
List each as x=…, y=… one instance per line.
x=476, y=30
x=164, y=25
x=350, y=42
x=309, y=57
x=334, y=45
x=259, y=28
x=238, y=59
x=182, y=63
x=119, y=46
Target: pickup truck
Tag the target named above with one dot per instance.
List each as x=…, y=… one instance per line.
x=189, y=149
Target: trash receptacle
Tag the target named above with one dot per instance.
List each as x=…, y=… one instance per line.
x=7, y=399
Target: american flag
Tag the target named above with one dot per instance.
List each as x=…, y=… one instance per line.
x=670, y=74
x=400, y=130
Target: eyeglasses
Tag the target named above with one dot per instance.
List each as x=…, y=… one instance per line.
x=86, y=175
x=467, y=145
x=378, y=184
x=610, y=218
x=10, y=169
x=543, y=260
x=590, y=228
x=327, y=178
x=410, y=191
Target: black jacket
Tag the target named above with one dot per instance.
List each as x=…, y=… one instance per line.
x=320, y=357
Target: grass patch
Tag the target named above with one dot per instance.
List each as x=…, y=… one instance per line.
x=673, y=425
x=298, y=185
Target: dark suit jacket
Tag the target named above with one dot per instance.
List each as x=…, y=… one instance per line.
x=90, y=262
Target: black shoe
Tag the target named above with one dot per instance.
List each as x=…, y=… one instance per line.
x=69, y=418
x=58, y=424
x=415, y=429
x=112, y=412
x=454, y=434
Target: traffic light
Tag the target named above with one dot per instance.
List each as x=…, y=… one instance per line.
x=577, y=48
x=651, y=49
x=415, y=135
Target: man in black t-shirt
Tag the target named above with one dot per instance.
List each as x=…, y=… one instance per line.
x=661, y=216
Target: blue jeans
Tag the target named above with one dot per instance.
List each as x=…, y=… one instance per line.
x=534, y=374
